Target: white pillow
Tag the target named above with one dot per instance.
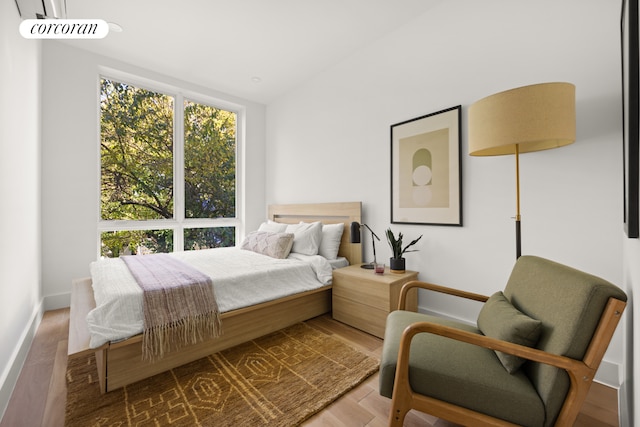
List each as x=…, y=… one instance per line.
x=331, y=238
x=307, y=237
x=272, y=227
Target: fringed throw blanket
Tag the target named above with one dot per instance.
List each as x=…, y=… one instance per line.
x=179, y=305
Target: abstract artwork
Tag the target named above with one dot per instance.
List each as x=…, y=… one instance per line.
x=425, y=169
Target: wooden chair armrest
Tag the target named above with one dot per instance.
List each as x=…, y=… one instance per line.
x=577, y=369
x=587, y=366
x=436, y=288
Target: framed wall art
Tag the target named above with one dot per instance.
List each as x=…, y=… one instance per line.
x=426, y=178
x=631, y=114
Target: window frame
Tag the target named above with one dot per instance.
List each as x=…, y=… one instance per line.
x=179, y=222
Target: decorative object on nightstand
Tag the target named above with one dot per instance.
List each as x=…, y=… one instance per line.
x=363, y=299
x=355, y=238
x=379, y=268
x=397, y=261
x=530, y=118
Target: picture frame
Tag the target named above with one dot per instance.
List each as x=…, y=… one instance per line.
x=426, y=177
x=631, y=114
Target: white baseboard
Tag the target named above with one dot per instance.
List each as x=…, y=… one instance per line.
x=11, y=372
x=54, y=302
x=626, y=409
x=609, y=373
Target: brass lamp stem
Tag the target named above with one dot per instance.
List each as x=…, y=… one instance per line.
x=517, y=183
x=518, y=237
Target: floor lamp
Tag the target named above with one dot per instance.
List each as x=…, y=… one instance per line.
x=530, y=118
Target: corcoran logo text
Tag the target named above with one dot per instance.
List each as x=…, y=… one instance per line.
x=64, y=28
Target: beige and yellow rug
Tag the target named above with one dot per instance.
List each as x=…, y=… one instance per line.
x=278, y=380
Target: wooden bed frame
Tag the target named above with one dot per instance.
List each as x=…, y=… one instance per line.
x=120, y=363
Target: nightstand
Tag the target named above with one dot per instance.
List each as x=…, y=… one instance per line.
x=363, y=299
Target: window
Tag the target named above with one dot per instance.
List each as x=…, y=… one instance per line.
x=168, y=172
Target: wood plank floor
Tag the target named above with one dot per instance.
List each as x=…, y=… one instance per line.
x=39, y=396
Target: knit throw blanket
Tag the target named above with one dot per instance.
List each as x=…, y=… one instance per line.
x=179, y=306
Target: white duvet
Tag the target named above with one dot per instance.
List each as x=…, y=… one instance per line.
x=240, y=278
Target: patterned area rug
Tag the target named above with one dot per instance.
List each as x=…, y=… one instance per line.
x=278, y=380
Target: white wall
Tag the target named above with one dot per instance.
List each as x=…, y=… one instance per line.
x=328, y=140
x=20, y=309
x=70, y=161
x=632, y=330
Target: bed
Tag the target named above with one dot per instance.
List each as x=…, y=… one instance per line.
x=119, y=361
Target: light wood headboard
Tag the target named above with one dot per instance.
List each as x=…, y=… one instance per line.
x=327, y=213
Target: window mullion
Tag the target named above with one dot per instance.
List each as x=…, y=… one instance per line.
x=178, y=172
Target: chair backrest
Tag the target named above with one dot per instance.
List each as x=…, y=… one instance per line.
x=569, y=303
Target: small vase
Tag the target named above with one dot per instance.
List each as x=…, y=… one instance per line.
x=397, y=265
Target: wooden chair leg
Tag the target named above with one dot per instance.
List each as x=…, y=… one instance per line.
x=397, y=414
x=400, y=403
x=402, y=396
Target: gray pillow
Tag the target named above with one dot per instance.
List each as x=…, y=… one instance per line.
x=275, y=245
x=499, y=319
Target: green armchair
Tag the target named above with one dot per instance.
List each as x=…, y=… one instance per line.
x=529, y=361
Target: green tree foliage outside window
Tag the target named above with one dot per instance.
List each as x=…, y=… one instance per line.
x=210, y=161
x=137, y=168
x=131, y=242
x=136, y=151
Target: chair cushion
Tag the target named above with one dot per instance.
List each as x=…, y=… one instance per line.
x=499, y=319
x=459, y=373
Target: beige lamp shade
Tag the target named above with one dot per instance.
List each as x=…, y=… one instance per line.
x=536, y=117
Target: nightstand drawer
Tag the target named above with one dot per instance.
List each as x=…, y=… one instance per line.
x=363, y=317
x=370, y=293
